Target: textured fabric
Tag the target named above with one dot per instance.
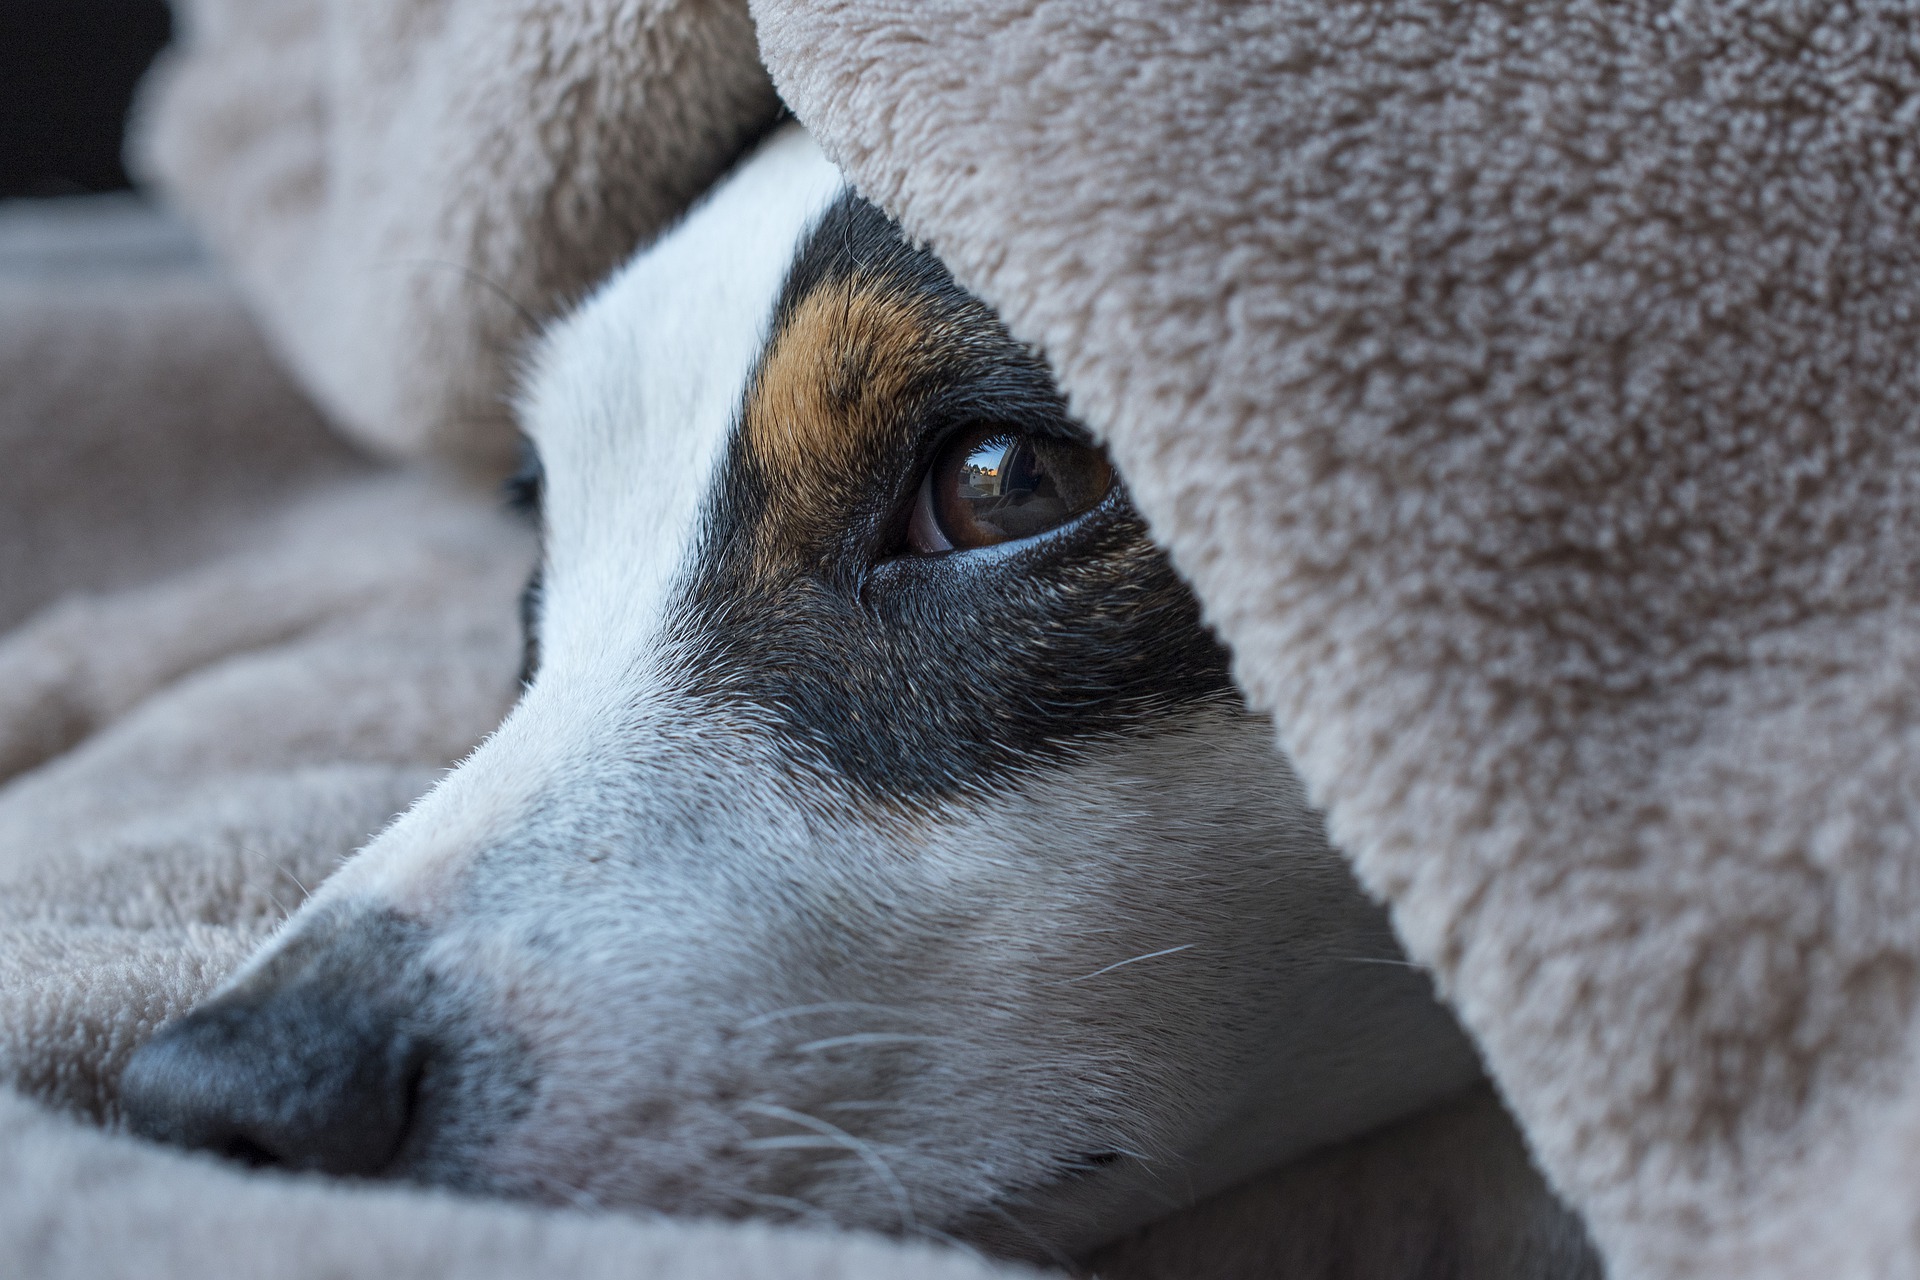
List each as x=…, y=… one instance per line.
x=81, y=1206
x=407, y=189
x=106, y=307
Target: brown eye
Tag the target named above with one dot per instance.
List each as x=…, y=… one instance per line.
x=995, y=484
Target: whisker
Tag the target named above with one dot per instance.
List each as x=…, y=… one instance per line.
x=794, y=1142
x=1170, y=1181
x=869, y=1038
x=875, y=1164
x=1121, y=964
x=791, y=1204
x=585, y=1200
x=305, y=892
x=830, y=1006
x=1051, y=1250
x=951, y=1241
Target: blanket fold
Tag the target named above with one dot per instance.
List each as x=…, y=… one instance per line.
x=80, y=1204
x=407, y=190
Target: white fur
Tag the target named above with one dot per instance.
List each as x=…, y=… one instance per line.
x=743, y=992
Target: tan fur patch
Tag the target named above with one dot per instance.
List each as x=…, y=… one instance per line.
x=838, y=382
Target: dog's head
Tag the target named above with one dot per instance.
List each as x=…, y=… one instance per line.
x=879, y=838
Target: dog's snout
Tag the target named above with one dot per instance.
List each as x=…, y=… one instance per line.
x=307, y=1079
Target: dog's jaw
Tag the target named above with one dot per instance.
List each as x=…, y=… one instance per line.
x=672, y=949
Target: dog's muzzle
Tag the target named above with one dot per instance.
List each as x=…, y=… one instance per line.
x=312, y=1063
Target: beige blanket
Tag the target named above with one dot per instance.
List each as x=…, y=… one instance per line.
x=1527, y=390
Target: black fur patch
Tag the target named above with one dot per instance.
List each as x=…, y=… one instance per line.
x=927, y=676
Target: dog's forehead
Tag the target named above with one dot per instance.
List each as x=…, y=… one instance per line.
x=634, y=396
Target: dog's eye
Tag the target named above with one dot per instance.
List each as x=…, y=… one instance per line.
x=995, y=484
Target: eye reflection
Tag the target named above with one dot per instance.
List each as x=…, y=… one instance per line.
x=995, y=484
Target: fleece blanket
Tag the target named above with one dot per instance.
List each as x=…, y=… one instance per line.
x=1526, y=390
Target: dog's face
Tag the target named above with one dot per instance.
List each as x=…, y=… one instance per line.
x=879, y=838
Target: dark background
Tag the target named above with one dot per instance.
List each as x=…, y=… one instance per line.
x=67, y=71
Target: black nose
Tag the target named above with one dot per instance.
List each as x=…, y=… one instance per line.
x=305, y=1078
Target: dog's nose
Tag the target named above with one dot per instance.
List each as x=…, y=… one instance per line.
x=305, y=1078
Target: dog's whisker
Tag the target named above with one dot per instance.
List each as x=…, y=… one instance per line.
x=823, y=1007
x=1170, y=1179
x=870, y=1038
x=584, y=1200
x=287, y=871
x=951, y=1241
x=799, y=1208
x=903, y=1203
x=1121, y=964
x=794, y=1142
x=1051, y=1251
x=1386, y=960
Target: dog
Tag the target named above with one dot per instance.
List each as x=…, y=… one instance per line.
x=879, y=839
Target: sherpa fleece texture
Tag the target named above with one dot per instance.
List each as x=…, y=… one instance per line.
x=1526, y=389
x=101, y=301
x=81, y=1205
x=405, y=187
